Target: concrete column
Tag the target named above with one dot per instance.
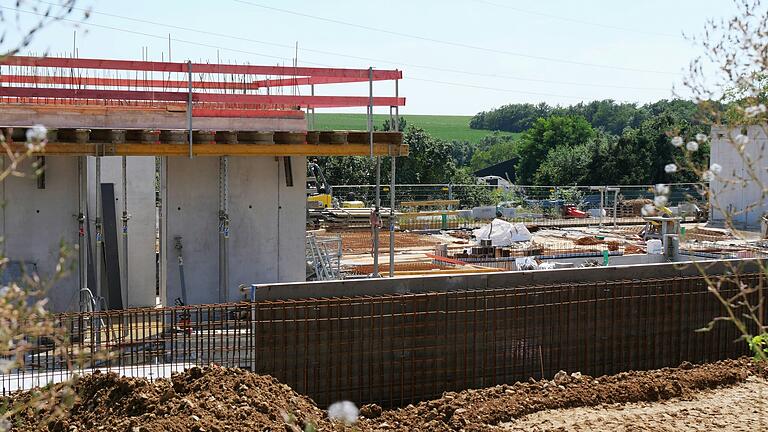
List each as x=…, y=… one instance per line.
x=35, y=222
x=141, y=271
x=267, y=224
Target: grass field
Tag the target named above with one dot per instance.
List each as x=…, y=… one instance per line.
x=439, y=126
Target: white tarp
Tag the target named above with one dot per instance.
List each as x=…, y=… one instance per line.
x=502, y=233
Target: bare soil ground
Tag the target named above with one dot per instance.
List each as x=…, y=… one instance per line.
x=742, y=407
x=727, y=395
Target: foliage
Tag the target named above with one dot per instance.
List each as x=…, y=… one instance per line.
x=545, y=135
x=565, y=165
x=510, y=118
x=492, y=150
x=568, y=194
x=606, y=115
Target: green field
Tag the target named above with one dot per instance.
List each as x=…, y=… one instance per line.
x=439, y=126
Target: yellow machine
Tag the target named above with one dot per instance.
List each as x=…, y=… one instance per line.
x=319, y=191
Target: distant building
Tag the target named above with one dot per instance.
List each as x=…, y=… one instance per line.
x=739, y=190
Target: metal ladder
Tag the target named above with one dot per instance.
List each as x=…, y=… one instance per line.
x=324, y=257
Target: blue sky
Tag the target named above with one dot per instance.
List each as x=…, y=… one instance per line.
x=479, y=56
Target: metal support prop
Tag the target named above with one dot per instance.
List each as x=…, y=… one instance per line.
x=394, y=125
x=125, y=219
x=615, y=191
x=189, y=105
x=312, y=116
x=602, y=190
x=223, y=228
x=82, y=196
x=99, y=245
x=377, y=202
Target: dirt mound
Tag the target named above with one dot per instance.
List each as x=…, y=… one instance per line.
x=220, y=399
x=200, y=399
x=476, y=410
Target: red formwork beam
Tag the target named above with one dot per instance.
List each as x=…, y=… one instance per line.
x=157, y=96
x=151, y=66
x=210, y=85
x=124, y=82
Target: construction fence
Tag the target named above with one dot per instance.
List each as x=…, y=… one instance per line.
x=447, y=206
x=399, y=349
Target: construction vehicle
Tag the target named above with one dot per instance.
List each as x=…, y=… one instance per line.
x=319, y=191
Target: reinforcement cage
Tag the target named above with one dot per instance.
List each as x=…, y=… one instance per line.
x=399, y=349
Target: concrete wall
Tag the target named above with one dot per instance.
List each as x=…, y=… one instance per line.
x=141, y=271
x=36, y=221
x=459, y=282
x=736, y=193
x=267, y=225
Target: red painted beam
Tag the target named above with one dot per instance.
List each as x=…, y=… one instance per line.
x=79, y=63
x=144, y=95
x=124, y=82
x=299, y=81
x=215, y=85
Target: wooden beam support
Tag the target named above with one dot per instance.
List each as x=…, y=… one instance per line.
x=134, y=149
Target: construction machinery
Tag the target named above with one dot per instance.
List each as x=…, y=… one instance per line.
x=319, y=191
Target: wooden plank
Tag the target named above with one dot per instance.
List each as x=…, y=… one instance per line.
x=432, y=213
x=133, y=149
x=429, y=203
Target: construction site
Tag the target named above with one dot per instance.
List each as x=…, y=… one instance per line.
x=211, y=258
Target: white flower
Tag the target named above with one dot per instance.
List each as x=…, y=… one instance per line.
x=741, y=140
x=754, y=111
x=648, y=210
x=707, y=175
x=677, y=141
x=344, y=411
x=692, y=146
x=37, y=134
x=660, y=201
x=661, y=189
x=700, y=137
x=670, y=168
x=716, y=168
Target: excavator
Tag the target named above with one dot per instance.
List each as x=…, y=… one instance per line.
x=322, y=206
x=319, y=191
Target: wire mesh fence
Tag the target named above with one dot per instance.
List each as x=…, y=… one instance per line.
x=399, y=349
x=458, y=206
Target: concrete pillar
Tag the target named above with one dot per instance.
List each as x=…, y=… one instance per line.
x=267, y=224
x=35, y=222
x=141, y=271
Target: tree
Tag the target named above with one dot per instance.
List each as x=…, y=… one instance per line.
x=565, y=166
x=547, y=134
x=493, y=149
